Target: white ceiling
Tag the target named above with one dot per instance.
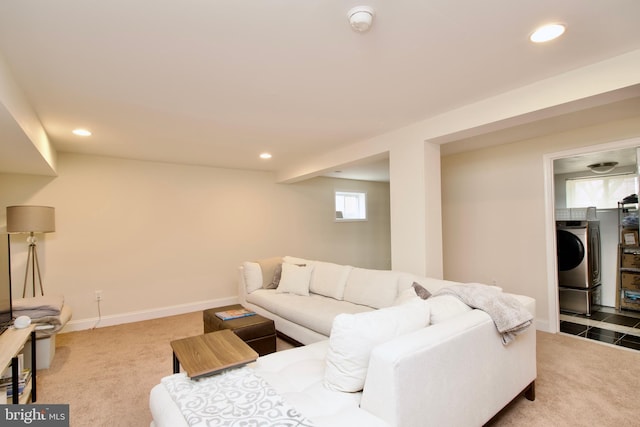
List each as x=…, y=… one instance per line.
x=218, y=82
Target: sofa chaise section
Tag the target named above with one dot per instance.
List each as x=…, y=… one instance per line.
x=452, y=370
x=454, y=373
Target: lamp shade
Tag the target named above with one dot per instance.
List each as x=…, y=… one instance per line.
x=30, y=219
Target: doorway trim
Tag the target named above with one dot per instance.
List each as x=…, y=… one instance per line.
x=550, y=226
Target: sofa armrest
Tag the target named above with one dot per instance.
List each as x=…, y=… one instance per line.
x=242, y=287
x=431, y=374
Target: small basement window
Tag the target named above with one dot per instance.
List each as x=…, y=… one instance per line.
x=351, y=206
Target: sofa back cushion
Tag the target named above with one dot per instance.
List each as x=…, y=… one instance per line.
x=375, y=288
x=329, y=279
x=431, y=284
x=353, y=337
x=295, y=260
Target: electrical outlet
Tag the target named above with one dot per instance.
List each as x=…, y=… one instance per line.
x=98, y=295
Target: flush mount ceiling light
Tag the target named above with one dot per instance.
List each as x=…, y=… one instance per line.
x=547, y=33
x=265, y=156
x=603, y=167
x=360, y=18
x=81, y=132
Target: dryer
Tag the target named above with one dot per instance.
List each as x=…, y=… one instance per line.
x=578, y=251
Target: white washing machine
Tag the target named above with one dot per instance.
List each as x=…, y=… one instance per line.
x=578, y=248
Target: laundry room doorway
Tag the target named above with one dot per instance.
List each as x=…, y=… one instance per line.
x=590, y=182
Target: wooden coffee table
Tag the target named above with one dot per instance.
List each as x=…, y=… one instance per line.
x=209, y=353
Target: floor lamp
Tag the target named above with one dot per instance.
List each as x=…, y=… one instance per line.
x=31, y=219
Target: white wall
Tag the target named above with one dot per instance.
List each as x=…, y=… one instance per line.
x=493, y=208
x=156, y=237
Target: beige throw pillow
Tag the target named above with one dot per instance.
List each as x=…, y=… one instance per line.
x=269, y=267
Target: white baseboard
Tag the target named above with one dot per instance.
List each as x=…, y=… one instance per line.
x=137, y=316
x=544, y=326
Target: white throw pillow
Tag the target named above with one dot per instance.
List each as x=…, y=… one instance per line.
x=443, y=307
x=252, y=276
x=354, y=336
x=295, y=279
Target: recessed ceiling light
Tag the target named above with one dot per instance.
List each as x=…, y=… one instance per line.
x=81, y=132
x=547, y=33
x=265, y=156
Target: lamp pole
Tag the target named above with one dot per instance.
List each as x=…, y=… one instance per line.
x=32, y=258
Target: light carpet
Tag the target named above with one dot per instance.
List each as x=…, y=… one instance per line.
x=105, y=375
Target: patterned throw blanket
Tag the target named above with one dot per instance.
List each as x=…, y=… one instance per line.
x=233, y=398
x=508, y=314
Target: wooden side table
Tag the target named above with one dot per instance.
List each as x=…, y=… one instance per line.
x=12, y=342
x=209, y=353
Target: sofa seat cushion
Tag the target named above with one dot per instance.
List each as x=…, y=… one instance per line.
x=315, y=312
x=297, y=376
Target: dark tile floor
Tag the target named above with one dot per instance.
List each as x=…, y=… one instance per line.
x=617, y=328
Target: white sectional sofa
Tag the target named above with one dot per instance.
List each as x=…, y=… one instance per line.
x=375, y=354
x=305, y=313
